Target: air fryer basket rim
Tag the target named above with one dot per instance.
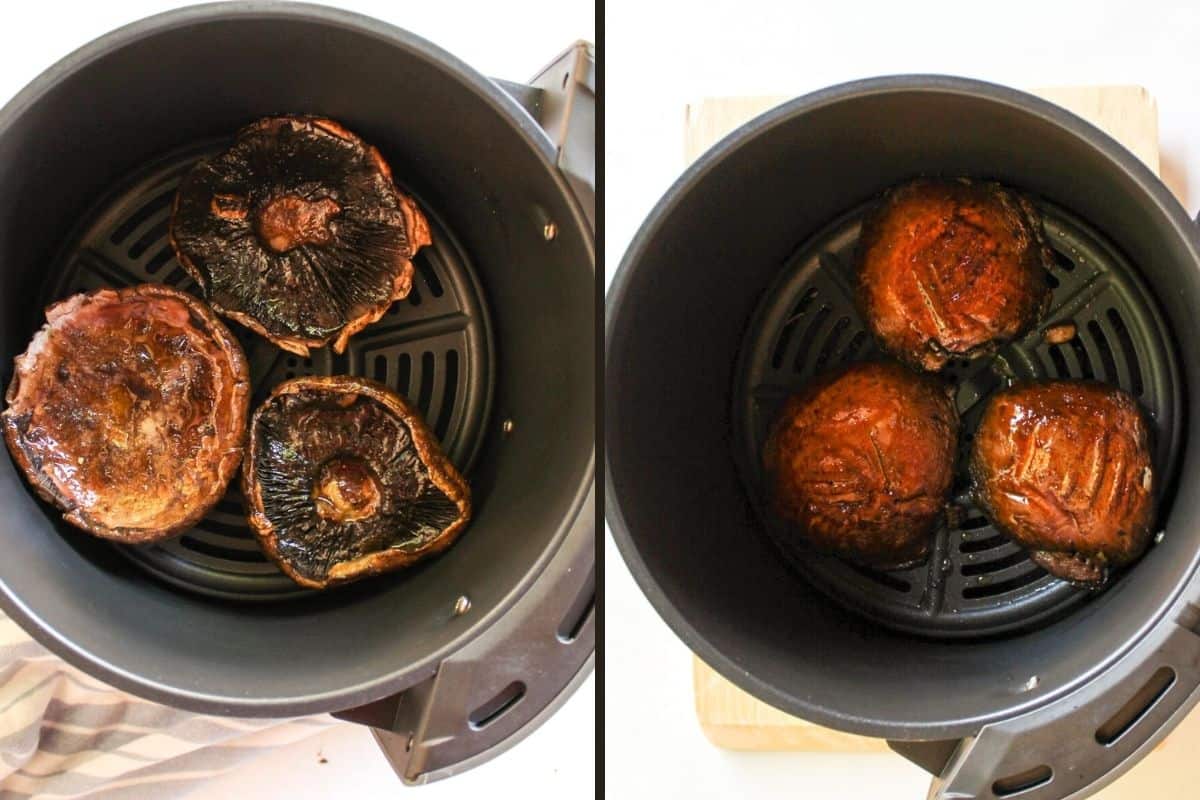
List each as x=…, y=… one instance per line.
x=1147, y=183
x=164, y=21
x=507, y=111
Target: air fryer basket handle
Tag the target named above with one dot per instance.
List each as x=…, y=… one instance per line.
x=486, y=697
x=1073, y=746
x=1078, y=744
x=499, y=688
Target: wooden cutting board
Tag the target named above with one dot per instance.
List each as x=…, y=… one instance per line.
x=732, y=718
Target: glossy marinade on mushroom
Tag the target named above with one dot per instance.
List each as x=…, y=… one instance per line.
x=345, y=480
x=128, y=411
x=298, y=232
x=951, y=269
x=1064, y=468
x=860, y=463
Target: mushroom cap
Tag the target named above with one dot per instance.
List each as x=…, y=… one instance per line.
x=951, y=269
x=1064, y=468
x=345, y=480
x=860, y=463
x=298, y=232
x=128, y=411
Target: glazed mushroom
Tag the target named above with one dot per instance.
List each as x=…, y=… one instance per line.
x=344, y=480
x=128, y=411
x=951, y=269
x=1064, y=468
x=297, y=232
x=860, y=463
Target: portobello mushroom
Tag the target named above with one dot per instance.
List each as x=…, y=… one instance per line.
x=298, y=232
x=128, y=411
x=344, y=480
x=951, y=269
x=860, y=463
x=1064, y=468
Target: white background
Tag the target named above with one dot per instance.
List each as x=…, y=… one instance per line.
x=511, y=40
x=659, y=56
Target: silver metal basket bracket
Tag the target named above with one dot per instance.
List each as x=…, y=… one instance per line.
x=562, y=98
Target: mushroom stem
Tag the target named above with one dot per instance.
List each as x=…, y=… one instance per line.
x=346, y=490
x=290, y=221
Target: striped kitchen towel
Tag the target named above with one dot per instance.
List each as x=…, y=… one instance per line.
x=66, y=735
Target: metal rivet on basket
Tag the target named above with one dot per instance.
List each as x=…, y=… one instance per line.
x=507, y=426
x=462, y=605
x=550, y=231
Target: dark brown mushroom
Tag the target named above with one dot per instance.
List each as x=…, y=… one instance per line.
x=298, y=232
x=344, y=480
x=951, y=269
x=860, y=463
x=128, y=411
x=1064, y=468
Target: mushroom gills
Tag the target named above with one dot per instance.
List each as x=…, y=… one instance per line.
x=298, y=232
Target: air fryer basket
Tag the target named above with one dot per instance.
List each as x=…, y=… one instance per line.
x=91, y=153
x=981, y=669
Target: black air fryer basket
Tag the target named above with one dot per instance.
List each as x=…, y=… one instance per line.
x=977, y=665
x=452, y=660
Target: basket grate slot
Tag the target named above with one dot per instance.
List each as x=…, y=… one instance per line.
x=1081, y=356
x=1003, y=587
x=993, y=541
x=1059, y=358
x=809, y=337
x=154, y=235
x=1104, y=350
x=143, y=211
x=450, y=374
x=785, y=334
x=429, y=276
x=985, y=567
x=1128, y=350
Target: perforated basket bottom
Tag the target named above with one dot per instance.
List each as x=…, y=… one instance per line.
x=976, y=582
x=433, y=347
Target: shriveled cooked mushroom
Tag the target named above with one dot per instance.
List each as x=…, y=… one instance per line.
x=1064, y=468
x=298, y=232
x=344, y=480
x=128, y=411
x=951, y=269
